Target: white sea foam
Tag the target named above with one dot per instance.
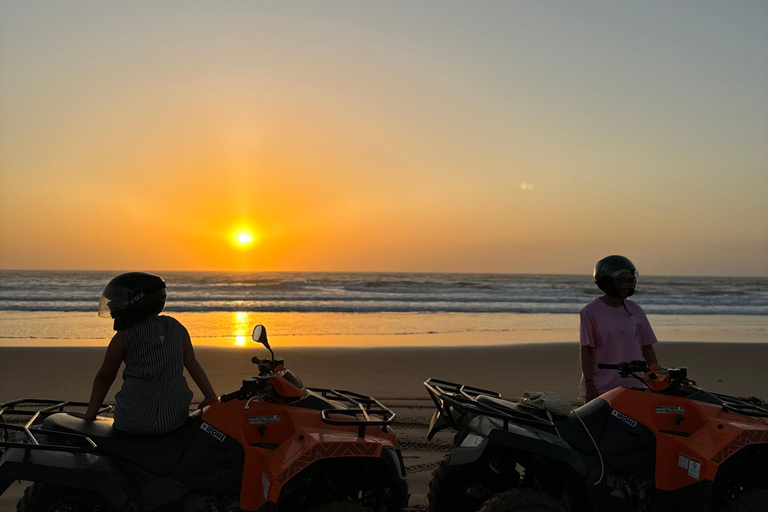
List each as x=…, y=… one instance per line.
x=59, y=291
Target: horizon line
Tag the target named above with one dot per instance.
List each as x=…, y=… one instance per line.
x=372, y=272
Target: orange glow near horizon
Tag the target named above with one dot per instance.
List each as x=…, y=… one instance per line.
x=490, y=148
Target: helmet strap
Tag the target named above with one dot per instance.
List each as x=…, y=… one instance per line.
x=121, y=322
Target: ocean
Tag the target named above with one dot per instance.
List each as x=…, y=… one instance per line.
x=62, y=304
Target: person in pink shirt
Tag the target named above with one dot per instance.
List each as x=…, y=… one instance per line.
x=613, y=329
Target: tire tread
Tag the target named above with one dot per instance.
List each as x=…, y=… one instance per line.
x=522, y=500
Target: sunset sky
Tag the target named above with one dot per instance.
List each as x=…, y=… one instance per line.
x=507, y=136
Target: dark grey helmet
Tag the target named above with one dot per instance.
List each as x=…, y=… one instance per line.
x=608, y=269
x=134, y=295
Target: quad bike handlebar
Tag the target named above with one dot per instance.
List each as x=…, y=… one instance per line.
x=266, y=366
x=254, y=386
x=626, y=368
x=226, y=397
x=676, y=381
x=655, y=377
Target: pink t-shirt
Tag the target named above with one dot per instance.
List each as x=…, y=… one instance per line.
x=615, y=336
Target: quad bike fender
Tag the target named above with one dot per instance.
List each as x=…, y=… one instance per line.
x=484, y=433
x=541, y=443
x=471, y=441
x=461, y=455
x=266, y=472
x=393, y=460
x=85, y=471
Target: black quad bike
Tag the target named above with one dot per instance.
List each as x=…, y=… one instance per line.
x=668, y=446
x=272, y=445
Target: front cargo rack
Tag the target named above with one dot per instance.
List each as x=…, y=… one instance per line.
x=751, y=406
x=479, y=401
x=365, y=411
x=34, y=410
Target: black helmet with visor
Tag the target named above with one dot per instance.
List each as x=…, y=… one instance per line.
x=616, y=276
x=132, y=296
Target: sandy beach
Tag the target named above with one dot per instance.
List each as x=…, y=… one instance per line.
x=397, y=372
x=394, y=375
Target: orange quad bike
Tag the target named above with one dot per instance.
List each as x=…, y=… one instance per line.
x=272, y=445
x=668, y=446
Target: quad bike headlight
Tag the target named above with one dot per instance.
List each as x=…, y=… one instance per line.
x=472, y=441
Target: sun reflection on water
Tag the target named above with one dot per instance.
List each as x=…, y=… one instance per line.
x=241, y=325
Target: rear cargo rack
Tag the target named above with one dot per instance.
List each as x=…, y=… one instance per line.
x=447, y=394
x=366, y=411
x=42, y=408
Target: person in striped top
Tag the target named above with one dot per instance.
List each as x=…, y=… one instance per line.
x=155, y=348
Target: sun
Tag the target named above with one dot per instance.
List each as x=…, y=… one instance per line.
x=244, y=238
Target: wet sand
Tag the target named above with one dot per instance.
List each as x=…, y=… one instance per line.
x=394, y=375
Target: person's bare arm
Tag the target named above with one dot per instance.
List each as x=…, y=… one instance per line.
x=649, y=354
x=197, y=373
x=105, y=377
x=586, y=369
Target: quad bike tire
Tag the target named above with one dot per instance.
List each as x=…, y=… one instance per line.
x=40, y=497
x=522, y=500
x=448, y=489
x=753, y=500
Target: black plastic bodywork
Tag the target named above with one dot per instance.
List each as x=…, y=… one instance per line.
x=144, y=470
x=211, y=464
x=559, y=451
x=157, y=453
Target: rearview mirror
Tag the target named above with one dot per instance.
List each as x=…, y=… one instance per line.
x=260, y=335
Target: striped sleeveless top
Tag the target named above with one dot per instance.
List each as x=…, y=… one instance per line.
x=155, y=397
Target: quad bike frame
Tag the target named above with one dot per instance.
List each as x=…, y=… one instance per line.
x=272, y=443
x=672, y=446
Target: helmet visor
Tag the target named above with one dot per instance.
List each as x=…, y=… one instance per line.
x=113, y=299
x=625, y=281
x=624, y=274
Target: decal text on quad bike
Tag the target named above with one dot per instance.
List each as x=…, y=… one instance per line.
x=221, y=436
x=626, y=419
x=262, y=420
x=670, y=410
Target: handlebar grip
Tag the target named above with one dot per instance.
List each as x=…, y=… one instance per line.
x=606, y=366
x=230, y=396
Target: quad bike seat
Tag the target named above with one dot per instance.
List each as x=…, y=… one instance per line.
x=158, y=453
x=511, y=407
x=592, y=417
x=571, y=428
